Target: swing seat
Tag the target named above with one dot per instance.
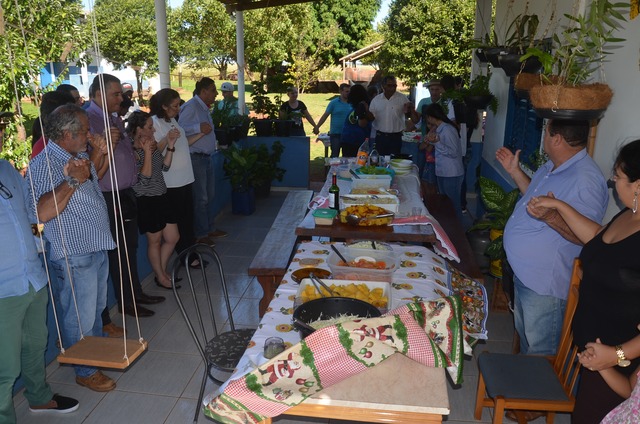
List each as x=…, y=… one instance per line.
x=103, y=352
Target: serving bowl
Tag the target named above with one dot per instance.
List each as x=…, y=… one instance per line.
x=331, y=307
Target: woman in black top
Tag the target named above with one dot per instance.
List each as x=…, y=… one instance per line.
x=294, y=109
x=609, y=303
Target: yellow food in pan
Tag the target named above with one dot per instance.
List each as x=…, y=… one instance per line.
x=366, y=211
x=354, y=291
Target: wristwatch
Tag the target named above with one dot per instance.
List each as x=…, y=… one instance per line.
x=72, y=181
x=622, y=360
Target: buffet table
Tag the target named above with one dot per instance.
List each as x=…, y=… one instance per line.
x=412, y=223
x=404, y=390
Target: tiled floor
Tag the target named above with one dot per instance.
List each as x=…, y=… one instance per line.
x=162, y=386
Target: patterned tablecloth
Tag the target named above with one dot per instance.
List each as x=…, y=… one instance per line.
x=422, y=277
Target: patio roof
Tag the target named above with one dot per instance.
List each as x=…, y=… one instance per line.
x=366, y=50
x=233, y=5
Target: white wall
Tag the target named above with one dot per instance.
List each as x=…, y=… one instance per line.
x=621, y=122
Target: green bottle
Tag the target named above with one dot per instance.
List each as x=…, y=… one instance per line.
x=334, y=193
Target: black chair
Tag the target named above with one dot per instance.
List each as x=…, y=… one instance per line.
x=220, y=351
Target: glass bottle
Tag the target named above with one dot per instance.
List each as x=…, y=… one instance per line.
x=334, y=193
x=374, y=156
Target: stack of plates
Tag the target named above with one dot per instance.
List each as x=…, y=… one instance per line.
x=401, y=166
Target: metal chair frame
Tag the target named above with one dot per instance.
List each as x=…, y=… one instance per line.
x=208, y=341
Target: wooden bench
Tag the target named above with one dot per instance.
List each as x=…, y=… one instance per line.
x=272, y=260
x=441, y=208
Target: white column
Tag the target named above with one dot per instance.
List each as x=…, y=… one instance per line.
x=240, y=55
x=163, y=44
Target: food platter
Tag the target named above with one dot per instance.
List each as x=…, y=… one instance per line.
x=302, y=273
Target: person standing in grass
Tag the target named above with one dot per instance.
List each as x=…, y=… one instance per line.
x=338, y=109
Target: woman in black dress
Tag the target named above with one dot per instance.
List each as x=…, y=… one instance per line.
x=610, y=290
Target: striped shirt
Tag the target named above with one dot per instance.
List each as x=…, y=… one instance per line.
x=83, y=225
x=153, y=185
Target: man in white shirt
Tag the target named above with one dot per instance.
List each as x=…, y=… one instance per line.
x=389, y=109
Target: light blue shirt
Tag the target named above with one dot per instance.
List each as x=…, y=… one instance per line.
x=339, y=111
x=448, y=152
x=540, y=257
x=20, y=265
x=83, y=225
x=192, y=114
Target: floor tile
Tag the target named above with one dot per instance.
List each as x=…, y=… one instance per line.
x=128, y=407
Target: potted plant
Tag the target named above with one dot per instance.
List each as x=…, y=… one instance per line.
x=229, y=126
x=267, y=168
x=478, y=95
x=520, y=36
x=578, y=51
x=266, y=109
x=499, y=205
x=240, y=168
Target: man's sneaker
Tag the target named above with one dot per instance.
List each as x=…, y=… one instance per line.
x=58, y=404
x=206, y=240
x=113, y=331
x=97, y=382
x=217, y=234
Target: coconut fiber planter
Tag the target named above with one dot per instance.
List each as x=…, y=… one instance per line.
x=588, y=101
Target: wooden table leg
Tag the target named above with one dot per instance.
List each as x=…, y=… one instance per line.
x=269, y=285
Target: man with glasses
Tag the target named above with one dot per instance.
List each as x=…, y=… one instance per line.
x=23, y=303
x=195, y=119
x=116, y=182
x=389, y=109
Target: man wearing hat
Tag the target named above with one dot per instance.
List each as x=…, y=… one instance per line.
x=128, y=105
x=229, y=102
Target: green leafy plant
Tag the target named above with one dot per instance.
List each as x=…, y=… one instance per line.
x=499, y=205
x=579, y=50
x=479, y=87
x=521, y=33
x=267, y=168
x=262, y=104
x=240, y=166
x=226, y=117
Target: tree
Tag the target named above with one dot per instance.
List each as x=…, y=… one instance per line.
x=52, y=33
x=206, y=33
x=127, y=35
x=354, y=20
x=427, y=38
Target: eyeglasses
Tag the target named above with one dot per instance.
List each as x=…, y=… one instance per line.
x=5, y=192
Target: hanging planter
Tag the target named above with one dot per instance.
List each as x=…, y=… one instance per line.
x=512, y=65
x=481, y=101
x=579, y=51
x=493, y=53
x=525, y=81
x=586, y=101
x=482, y=57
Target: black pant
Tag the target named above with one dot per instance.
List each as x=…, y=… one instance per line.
x=388, y=143
x=130, y=282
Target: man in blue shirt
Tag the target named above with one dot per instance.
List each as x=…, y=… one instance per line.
x=23, y=304
x=541, y=251
x=339, y=108
x=67, y=198
x=195, y=119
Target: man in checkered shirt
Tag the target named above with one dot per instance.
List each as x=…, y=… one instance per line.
x=64, y=187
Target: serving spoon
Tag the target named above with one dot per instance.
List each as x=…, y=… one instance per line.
x=353, y=219
x=317, y=281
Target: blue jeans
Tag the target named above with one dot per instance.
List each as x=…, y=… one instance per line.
x=451, y=187
x=204, y=188
x=538, y=320
x=334, y=139
x=89, y=273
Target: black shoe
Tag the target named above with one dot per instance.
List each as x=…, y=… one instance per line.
x=165, y=287
x=147, y=299
x=141, y=311
x=62, y=405
x=198, y=265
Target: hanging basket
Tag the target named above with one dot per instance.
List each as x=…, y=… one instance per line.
x=525, y=81
x=511, y=64
x=482, y=57
x=588, y=101
x=493, y=53
x=480, y=101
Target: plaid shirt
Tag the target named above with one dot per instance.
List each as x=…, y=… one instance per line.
x=83, y=226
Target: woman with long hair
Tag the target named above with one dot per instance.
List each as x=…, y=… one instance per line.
x=295, y=109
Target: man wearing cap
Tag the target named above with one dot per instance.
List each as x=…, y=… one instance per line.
x=229, y=102
x=339, y=108
x=195, y=119
x=389, y=109
x=131, y=105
